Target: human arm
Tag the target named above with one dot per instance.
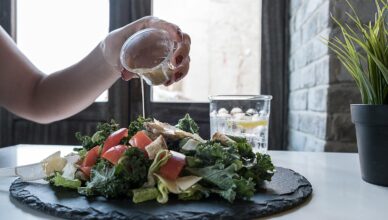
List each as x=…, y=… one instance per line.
x=29, y=93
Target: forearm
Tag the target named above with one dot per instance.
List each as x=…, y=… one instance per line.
x=66, y=92
x=28, y=93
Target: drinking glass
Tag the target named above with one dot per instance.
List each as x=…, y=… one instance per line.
x=242, y=115
x=148, y=53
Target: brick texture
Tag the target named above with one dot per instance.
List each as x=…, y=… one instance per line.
x=321, y=90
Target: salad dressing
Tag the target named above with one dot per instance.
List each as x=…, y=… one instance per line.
x=154, y=76
x=142, y=94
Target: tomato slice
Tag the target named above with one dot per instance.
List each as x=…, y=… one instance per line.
x=113, y=154
x=173, y=167
x=114, y=139
x=91, y=157
x=140, y=140
x=86, y=171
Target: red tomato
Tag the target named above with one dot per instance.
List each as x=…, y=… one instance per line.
x=174, y=166
x=113, y=154
x=114, y=139
x=86, y=171
x=140, y=140
x=91, y=157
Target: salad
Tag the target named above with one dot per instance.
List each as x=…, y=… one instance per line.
x=151, y=160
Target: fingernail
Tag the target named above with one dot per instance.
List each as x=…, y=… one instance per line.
x=124, y=74
x=179, y=32
x=168, y=82
x=178, y=76
x=179, y=59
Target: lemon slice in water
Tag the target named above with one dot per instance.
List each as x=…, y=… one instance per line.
x=251, y=124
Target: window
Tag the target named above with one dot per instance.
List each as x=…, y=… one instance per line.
x=225, y=50
x=57, y=34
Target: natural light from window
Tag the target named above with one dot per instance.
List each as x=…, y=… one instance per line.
x=57, y=34
x=225, y=49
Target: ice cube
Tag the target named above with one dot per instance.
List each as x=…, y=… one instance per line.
x=223, y=111
x=236, y=110
x=251, y=112
x=239, y=116
x=255, y=117
x=263, y=113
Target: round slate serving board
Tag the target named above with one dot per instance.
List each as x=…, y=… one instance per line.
x=286, y=190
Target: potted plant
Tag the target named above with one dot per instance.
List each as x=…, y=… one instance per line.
x=363, y=50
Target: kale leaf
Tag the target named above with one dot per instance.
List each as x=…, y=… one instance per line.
x=98, y=138
x=211, y=153
x=228, y=194
x=136, y=126
x=116, y=181
x=188, y=124
x=104, y=181
x=243, y=147
x=231, y=171
x=134, y=165
x=217, y=175
x=245, y=188
x=262, y=169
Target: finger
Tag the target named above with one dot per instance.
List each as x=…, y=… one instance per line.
x=182, y=51
x=126, y=75
x=173, y=30
x=169, y=82
x=186, y=38
x=181, y=71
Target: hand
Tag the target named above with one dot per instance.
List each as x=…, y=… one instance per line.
x=112, y=44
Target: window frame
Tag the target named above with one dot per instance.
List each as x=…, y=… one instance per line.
x=274, y=78
x=274, y=68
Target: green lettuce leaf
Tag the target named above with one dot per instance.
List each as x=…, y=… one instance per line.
x=163, y=192
x=144, y=194
x=160, y=159
x=195, y=192
x=59, y=180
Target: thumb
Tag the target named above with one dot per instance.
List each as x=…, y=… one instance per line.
x=126, y=75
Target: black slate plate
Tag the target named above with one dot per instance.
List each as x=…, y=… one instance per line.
x=286, y=190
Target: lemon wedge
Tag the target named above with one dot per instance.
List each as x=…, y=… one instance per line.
x=251, y=124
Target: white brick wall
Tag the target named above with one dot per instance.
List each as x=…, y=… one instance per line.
x=320, y=88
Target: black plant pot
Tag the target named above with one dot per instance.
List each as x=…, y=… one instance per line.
x=372, y=141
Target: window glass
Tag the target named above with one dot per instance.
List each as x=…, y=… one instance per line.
x=225, y=50
x=57, y=34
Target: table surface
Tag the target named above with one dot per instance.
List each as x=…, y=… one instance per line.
x=338, y=190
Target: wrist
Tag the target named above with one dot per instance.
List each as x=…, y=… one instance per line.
x=110, y=68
